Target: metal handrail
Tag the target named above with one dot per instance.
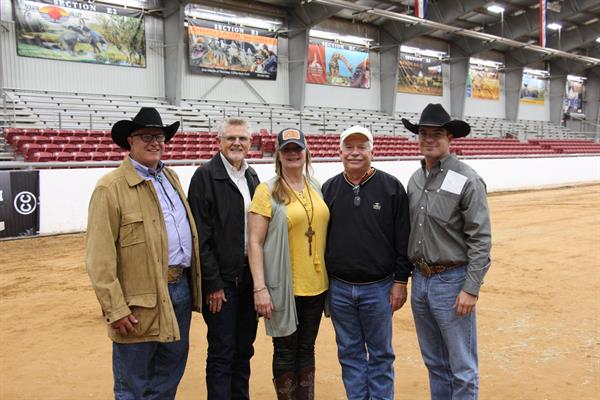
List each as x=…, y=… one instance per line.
x=14, y=165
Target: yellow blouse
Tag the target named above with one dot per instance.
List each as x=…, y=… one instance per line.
x=309, y=275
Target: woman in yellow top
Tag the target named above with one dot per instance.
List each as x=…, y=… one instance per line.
x=287, y=227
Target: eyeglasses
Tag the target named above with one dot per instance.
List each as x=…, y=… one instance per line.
x=148, y=138
x=232, y=139
x=356, y=190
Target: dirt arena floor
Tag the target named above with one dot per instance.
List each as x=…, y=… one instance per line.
x=538, y=316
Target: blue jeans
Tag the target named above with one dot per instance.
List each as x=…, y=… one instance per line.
x=152, y=370
x=362, y=319
x=448, y=343
x=231, y=334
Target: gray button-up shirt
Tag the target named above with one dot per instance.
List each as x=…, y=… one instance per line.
x=179, y=235
x=449, y=219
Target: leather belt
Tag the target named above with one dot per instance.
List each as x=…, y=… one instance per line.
x=429, y=270
x=174, y=274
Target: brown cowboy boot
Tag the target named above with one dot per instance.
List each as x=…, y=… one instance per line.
x=306, y=384
x=285, y=386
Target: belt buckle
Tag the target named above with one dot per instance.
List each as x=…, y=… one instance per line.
x=424, y=268
x=174, y=274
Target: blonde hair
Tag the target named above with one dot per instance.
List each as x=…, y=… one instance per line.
x=280, y=191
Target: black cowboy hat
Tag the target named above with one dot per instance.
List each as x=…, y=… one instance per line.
x=435, y=115
x=147, y=117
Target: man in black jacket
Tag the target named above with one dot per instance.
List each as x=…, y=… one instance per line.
x=219, y=196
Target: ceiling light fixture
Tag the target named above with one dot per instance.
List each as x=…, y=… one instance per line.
x=496, y=9
x=554, y=26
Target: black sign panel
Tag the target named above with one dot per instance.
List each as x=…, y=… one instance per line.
x=19, y=205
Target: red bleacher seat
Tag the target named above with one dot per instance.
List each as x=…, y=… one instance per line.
x=177, y=155
x=68, y=147
x=82, y=156
x=51, y=147
x=85, y=147
x=58, y=139
x=91, y=140
x=19, y=140
x=255, y=154
x=74, y=139
x=28, y=149
x=191, y=155
x=102, y=148
x=114, y=156
x=97, y=156
x=63, y=156
x=40, y=139
x=41, y=156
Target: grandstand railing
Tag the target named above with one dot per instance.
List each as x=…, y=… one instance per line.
x=7, y=113
x=21, y=165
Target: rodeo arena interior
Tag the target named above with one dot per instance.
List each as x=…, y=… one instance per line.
x=524, y=74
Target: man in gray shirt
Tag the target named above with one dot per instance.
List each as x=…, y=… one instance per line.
x=450, y=242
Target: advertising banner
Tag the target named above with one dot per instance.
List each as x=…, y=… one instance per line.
x=483, y=82
x=226, y=49
x=533, y=90
x=420, y=75
x=338, y=64
x=574, y=96
x=19, y=211
x=80, y=31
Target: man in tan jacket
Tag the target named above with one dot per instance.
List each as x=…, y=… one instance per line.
x=142, y=258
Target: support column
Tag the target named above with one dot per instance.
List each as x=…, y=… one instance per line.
x=297, y=50
x=459, y=69
x=591, y=101
x=388, y=59
x=174, y=52
x=513, y=80
x=558, y=81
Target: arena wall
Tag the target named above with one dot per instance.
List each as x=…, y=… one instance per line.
x=535, y=112
x=65, y=193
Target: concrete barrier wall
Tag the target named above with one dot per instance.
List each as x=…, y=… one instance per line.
x=65, y=193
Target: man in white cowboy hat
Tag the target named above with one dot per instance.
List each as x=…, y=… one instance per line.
x=142, y=258
x=367, y=261
x=450, y=242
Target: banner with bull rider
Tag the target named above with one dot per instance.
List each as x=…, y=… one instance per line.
x=80, y=31
x=483, y=82
x=420, y=75
x=338, y=64
x=227, y=49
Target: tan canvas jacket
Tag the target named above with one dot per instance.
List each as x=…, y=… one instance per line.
x=127, y=255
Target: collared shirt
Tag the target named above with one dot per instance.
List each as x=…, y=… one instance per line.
x=449, y=218
x=179, y=235
x=238, y=177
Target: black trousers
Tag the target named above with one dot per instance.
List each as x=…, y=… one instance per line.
x=231, y=334
x=296, y=352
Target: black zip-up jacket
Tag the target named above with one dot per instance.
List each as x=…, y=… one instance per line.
x=218, y=208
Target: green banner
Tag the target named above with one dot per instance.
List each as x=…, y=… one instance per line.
x=80, y=31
